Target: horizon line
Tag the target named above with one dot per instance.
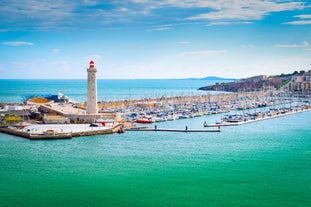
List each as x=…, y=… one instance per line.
x=211, y=78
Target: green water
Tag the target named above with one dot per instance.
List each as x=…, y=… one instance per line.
x=260, y=164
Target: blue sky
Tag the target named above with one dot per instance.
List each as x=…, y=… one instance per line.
x=153, y=38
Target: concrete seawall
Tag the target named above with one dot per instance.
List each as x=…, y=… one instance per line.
x=15, y=132
x=67, y=135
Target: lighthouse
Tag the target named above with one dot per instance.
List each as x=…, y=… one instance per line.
x=91, y=106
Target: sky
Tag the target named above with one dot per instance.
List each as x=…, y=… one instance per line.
x=152, y=39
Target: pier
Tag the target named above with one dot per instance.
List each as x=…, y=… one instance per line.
x=149, y=129
x=50, y=131
x=257, y=119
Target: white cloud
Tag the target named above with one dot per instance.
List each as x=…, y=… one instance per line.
x=90, y=2
x=304, y=16
x=303, y=45
x=40, y=9
x=218, y=23
x=35, y=13
x=55, y=51
x=225, y=9
x=299, y=22
x=60, y=14
x=203, y=53
x=160, y=29
x=304, y=20
x=245, y=10
x=140, y=1
x=123, y=9
x=228, y=23
x=17, y=43
x=184, y=43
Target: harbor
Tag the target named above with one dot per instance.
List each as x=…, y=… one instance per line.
x=146, y=103
x=59, y=117
x=66, y=120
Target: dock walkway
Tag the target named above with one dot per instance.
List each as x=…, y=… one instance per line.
x=256, y=120
x=172, y=130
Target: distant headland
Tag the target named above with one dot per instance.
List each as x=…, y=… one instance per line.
x=214, y=78
x=295, y=82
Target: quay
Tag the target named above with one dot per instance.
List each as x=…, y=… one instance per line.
x=53, y=131
x=149, y=129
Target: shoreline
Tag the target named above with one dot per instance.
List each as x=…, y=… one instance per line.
x=160, y=109
x=60, y=131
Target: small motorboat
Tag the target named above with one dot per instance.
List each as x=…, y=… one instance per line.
x=145, y=120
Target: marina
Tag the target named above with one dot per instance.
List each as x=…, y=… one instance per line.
x=120, y=116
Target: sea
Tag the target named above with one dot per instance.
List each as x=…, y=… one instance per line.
x=264, y=163
x=107, y=89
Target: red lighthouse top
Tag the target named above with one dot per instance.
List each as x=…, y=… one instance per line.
x=92, y=64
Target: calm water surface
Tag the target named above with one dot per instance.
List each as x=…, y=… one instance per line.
x=17, y=90
x=259, y=164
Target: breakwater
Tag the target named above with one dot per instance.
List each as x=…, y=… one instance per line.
x=46, y=132
x=262, y=118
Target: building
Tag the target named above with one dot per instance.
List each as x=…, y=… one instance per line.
x=91, y=106
x=301, y=83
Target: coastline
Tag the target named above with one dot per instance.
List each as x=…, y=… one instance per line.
x=38, y=132
x=159, y=109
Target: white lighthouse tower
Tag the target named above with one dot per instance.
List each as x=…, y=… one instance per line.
x=91, y=106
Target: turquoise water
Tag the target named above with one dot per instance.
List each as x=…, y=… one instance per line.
x=15, y=90
x=259, y=164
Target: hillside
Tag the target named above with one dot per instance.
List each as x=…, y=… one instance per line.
x=261, y=82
